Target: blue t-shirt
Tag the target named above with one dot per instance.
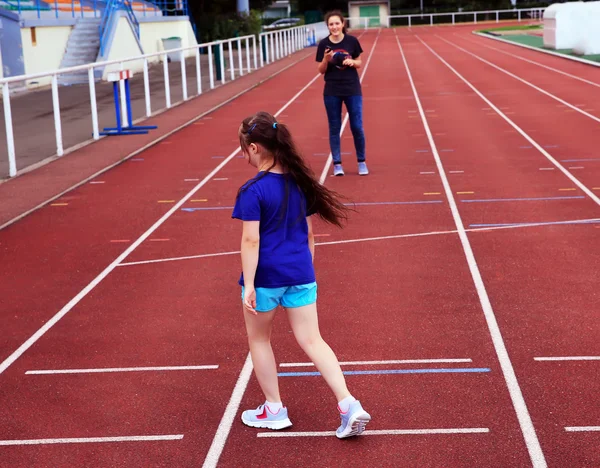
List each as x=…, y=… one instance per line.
x=284, y=257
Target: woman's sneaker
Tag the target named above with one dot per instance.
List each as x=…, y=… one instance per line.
x=263, y=417
x=353, y=421
x=338, y=170
x=362, y=168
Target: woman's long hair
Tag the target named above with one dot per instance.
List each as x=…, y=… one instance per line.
x=262, y=129
x=338, y=13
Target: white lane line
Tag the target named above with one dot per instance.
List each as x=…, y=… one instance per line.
x=218, y=443
x=88, y=440
x=525, y=422
x=466, y=430
x=571, y=177
x=85, y=291
x=377, y=363
x=537, y=88
x=532, y=62
x=118, y=369
x=568, y=358
x=372, y=239
x=582, y=428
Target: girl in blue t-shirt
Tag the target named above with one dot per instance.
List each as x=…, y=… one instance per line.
x=277, y=253
x=339, y=59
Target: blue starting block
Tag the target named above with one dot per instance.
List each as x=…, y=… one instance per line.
x=130, y=129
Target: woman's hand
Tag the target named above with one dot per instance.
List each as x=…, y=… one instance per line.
x=328, y=55
x=349, y=62
x=250, y=300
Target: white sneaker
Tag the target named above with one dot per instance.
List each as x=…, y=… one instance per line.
x=338, y=170
x=362, y=168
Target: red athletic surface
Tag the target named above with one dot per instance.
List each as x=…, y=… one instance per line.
x=386, y=299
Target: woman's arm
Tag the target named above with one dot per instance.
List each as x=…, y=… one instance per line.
x=322, y=67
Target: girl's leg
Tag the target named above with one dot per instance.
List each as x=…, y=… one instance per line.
x=305, y=325
x=354, y=104
x=333, y=106
x=258, y=328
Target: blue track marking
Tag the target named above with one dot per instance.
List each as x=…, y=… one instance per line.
x=485, y=200
x=580, y=160
x=392, y=371
x=550, y=223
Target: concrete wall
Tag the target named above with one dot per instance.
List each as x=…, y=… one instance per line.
x=152, y=33
x=47, y=52
x=355, y=21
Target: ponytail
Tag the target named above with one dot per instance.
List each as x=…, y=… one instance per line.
x=276, y=138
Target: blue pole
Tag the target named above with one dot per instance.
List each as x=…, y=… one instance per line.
x=117, y=105
x=127, y=100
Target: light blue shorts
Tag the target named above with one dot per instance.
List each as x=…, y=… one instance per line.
x=289, y=297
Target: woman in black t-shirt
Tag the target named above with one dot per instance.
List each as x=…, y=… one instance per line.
x=339, y=58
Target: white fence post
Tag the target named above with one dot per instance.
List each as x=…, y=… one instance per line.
x=10, y=137
x=147, y=89
x=222, y=63
x=57, y=124
x=232, y=67
x=167, y=86
x=248, y=55
x=198, y=72
x=240, y=57
x=92, y=81
x=184, y=76
x=210, y=67
x=254, y=48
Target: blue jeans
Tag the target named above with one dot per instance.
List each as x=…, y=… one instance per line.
x=333, y=105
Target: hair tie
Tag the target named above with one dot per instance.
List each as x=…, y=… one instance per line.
x=275, y=125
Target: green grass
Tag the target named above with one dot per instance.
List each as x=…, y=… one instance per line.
x=513, y=28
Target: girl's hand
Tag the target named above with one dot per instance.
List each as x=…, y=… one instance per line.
x=250, y=300
x=328, y=55
x=349, y=62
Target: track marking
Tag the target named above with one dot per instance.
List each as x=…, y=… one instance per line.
x=553, y=223
x=191, y=180
x=93, y=182
x=87, y=440
x=456, y=172
x=567, y=189
x=59, y=204
x=581, y=160
x=537, y=88
x=582, y=429
x=379, y=432
x=467, y=370
x=423, y=173
x=568, y=358
x=380, y=363
x=199, y=200
x=432, y=193
x=159, y=240
x=535, y=63
x=117, y=241
x=465, y=193
x=520, y=407
x=547, y=168
x=576, y=167
x=496, y=200
x=119, y=369
x=136, y=159
x=165, y=201
x=369, y=239
x=221, y=178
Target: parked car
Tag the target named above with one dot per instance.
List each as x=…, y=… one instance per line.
x=282, y=23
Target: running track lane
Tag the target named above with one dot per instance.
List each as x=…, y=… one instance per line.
x=144, y=325
x=49, y=256
x=541, y=280
x=390, y=300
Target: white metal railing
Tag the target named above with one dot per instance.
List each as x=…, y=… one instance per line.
x=534, y=13
x=277, y=44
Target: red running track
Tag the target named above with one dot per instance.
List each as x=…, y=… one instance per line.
x=411, y=296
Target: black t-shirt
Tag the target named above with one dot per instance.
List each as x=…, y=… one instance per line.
x=341, y=80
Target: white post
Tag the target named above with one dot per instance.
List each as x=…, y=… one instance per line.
x=57, y=124
x=519, y=15
x=198, y=72
x=147, y=89
x=248, y=55
x=184, y=76
x=222, y=63
x=452, y=18
x=430, y=20
x=123, y=98
x=10, y=137
x=254, y=48
x=231, y=68
x=95, y=130
x=260, y=47
x=167, y=86
x=210, y=67
x=497, y=17
x=240, y=56
x=273, y=41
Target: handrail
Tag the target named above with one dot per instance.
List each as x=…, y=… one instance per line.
x=88, y=66
x=107, y=15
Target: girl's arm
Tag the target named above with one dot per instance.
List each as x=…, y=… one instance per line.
x=249, y=250
x=311, y=238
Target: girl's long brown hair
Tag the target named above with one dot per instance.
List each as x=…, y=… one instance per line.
x=263, y=129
